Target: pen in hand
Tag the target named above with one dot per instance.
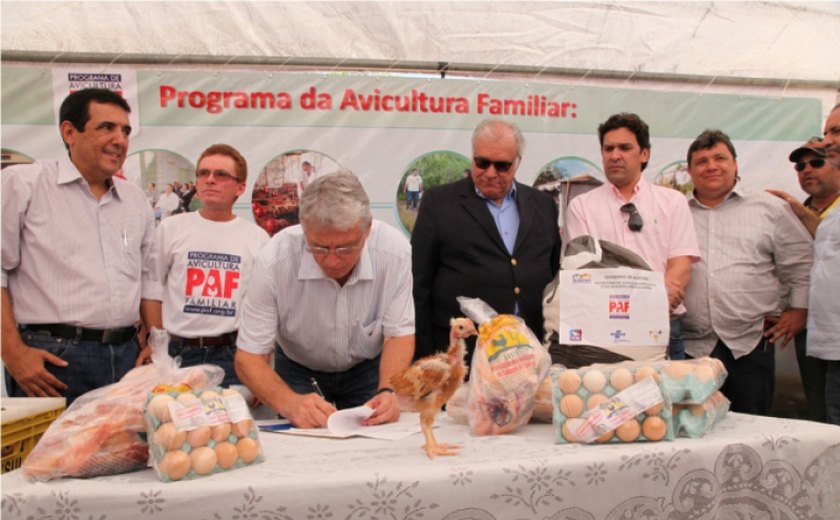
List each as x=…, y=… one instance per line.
x=317, y=388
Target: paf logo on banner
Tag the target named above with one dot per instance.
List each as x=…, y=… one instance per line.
x=619, y=307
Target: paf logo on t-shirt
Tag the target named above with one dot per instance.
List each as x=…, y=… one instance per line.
x=212, y=279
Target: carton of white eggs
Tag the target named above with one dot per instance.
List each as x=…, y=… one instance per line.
x=696, y=420
x=583, y=395
x=193, y=434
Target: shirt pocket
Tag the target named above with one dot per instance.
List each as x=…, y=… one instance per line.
x=367, y=338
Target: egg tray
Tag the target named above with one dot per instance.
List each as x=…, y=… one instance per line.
x=688, y=381
x=697, y=420
x=205, y=450
x=592, y=386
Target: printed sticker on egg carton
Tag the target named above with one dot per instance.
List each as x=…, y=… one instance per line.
x=609, y=404
x=194, y=434
x=688, y=381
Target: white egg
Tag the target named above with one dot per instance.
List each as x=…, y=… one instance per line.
x=594, y=380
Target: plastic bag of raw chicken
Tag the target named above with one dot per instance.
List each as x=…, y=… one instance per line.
x=508, y=365
x=103, y=431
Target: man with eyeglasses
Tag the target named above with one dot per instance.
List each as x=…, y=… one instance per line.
x=334, y=294
x=484, y=236
x=78, y=257
x=650, y=220
x=753, y=250
x=205, y=258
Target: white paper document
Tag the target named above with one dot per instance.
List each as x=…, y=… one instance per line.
x=348, y=423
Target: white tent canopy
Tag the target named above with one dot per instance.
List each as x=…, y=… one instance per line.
x=778, y=44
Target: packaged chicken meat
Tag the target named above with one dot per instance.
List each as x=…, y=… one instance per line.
x=102, y=432
x=507, y=368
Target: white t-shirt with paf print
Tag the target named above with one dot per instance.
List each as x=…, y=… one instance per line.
x=204, y=268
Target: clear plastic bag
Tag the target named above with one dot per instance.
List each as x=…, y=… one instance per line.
x=508, y=365
x=197, y=433
x=103, y=431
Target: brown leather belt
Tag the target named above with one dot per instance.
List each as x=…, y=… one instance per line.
x=228, y=338
x=107, y=336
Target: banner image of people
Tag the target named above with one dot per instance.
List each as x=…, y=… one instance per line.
x=167, y=178
x=426, y=172
x=276, y=194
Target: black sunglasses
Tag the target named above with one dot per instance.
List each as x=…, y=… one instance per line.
x=635, y=222
x=501, y=166
x=815, y=163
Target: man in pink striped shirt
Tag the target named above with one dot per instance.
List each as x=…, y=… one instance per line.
x=652, y=221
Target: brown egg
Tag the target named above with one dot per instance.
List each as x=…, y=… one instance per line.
x=647, y=372
x=168, y=437
x=248, y=449
x=567, y=433
x=198, y=437
x=227, y=392
x=654, y=428
x=697, y=410
x=571, y=405
x=208, y=395
x=175, y=464
x=655, y=409
x=629, y=431
x=226, y=454
x=203, y=460
x=605, y=437
x=241, y=428
x=704, y=373
x=220, y=432
x=620, y=379
x=158, y=407
x=596, y=399
x=568, y=381
x=187, y=399
x=594, y=380
x=677, y=369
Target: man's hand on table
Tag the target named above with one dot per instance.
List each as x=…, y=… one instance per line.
x=385, y=409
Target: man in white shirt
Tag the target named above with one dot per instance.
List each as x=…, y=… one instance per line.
x=78, y=257
x=413, y=188
x=334, y=293
x=205, y=258
x=753, y=249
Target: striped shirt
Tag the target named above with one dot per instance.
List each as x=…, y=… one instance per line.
x=823, y=325
x=70, y=258
x=317, y=322
x=751, y=247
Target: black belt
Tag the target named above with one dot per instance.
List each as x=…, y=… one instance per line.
x=107, y=336
x=228, y=338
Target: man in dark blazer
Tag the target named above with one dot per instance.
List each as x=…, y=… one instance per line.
x=486, y=236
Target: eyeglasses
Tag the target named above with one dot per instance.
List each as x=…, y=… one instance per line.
x=815, y=163
x=501, y=166
x=219, y=175
x=635, y=223
x=339, y=251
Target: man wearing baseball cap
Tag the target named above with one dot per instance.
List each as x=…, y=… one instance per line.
x=819, y=179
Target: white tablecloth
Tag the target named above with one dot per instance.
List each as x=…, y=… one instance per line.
x=750, y=467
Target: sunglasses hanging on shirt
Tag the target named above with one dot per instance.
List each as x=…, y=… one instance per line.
x=635, y=222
